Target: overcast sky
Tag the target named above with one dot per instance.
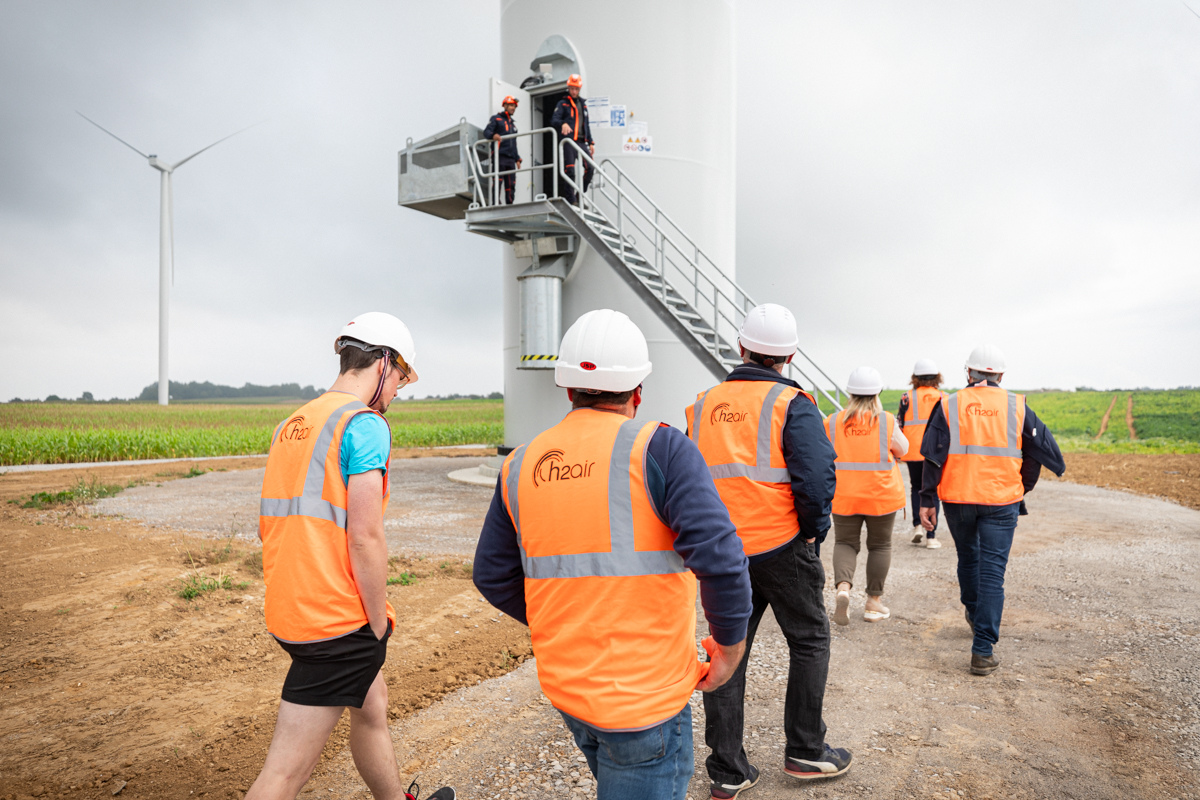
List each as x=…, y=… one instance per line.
x=912, y=179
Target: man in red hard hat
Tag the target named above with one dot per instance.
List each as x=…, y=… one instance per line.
x=570, y=121
x=501, y=125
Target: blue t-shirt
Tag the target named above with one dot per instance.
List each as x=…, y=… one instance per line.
x=366, y=445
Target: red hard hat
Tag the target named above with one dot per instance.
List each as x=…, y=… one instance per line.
x=575, y=81
x=509, y=99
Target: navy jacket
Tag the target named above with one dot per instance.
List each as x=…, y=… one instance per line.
x=502, y=124
x=685, y=498
x=564, y=113
x=1038, y=449
x=809, y=456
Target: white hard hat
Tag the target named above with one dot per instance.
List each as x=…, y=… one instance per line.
x=865, y=381
x=770, y=330
x=925, y=367
x=380, y=331
x=987, y=358
x=603, y=351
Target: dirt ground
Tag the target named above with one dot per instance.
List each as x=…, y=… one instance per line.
x=109, y=680
x=1174, y=477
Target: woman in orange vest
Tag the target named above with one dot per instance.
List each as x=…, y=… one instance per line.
x=869, y=490
x=913, y=415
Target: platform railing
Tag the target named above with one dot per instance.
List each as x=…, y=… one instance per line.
x=491, y=178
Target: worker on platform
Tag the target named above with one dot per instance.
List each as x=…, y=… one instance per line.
x=498, y=126
x=869, y=491
x=597, y=533
x=325, y=563
x=762, y=439
x=915, y=407
x=570, y=121
x=984, y=449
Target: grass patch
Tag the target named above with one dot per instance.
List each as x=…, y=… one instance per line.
x=195, y=584
x=253, y=562
x=84, y=492
x=403, y=579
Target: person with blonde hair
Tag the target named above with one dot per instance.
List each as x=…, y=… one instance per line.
x=913, y=415
x=869, y=492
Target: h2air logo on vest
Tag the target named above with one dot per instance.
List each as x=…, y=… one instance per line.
x=294, y=430
x=723, y=413
x=553, y=466
x=977, y=410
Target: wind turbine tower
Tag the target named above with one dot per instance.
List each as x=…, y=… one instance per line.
x=166, y=248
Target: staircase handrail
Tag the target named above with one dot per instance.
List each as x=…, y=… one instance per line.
x=694, y=262
x=478, y=173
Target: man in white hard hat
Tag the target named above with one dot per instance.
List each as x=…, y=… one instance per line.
x=913, y=415
x=984, y=449
x=764, y=441
x=597, y=533
x=325, y=563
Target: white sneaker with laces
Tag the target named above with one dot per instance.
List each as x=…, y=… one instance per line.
x=932, y=544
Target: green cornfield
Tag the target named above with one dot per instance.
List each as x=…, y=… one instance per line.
x=54, y=433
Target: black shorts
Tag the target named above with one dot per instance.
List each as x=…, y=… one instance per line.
x=336, y=672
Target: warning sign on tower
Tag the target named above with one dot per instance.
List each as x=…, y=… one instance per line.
x=638, y=145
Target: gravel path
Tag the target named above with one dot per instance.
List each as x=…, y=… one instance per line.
x=1097, y=697
x=427, y=513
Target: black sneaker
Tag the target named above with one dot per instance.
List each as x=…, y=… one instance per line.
x=833, y=762
x=984, y=665
x=413, y=792
x=727, y=791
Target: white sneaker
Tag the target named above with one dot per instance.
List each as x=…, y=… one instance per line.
x=918, y=537
x=841, y=614
x=932, y=544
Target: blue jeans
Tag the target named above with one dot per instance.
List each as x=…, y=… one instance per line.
x=983, y=536
x=654, y=764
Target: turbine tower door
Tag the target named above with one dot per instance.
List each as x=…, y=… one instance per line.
x=523, y=118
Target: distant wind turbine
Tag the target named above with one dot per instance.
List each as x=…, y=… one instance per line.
x=166, y=247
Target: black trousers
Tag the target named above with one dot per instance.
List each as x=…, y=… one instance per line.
x=508, y=182
x=569, y=158
x=916, y=471
x=791, y=583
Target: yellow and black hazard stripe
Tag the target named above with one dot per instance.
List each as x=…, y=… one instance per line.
x=539, y=358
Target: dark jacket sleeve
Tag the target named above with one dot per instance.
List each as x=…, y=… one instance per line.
x=935, y=446
x=559, y=118
x=687, y=501
x=903, y=407
x=587, y=122
x=490, y=130
x=809, y=456
x=497, y=570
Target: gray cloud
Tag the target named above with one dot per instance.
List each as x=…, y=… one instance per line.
x=911, y=179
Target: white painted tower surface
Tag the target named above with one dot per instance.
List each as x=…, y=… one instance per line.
x=671, y=63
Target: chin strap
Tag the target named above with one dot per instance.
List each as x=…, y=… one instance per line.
x=387, y=364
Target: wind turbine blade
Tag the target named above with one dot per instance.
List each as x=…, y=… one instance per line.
x=110, y=133
x=1189, y=8
x=214, y=144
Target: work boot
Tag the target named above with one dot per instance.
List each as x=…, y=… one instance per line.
x=833, y=762
x=984, y=665
x=728, y=791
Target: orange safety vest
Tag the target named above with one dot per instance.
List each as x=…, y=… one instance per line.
x=611, y=607
x=311, y=592
x=984, y=462
x=920, y=405
x=868, y=477
x=738, y=426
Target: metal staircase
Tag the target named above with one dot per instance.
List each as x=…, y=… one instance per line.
x=666, y=268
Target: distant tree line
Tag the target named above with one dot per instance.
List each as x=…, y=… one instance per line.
x=492, y=396
x=215, y=391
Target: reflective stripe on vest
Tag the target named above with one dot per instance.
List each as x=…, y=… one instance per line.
x=761, y=469
x=622, y=560
x=311, y=504
x=957, y=448
x=882, y=465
